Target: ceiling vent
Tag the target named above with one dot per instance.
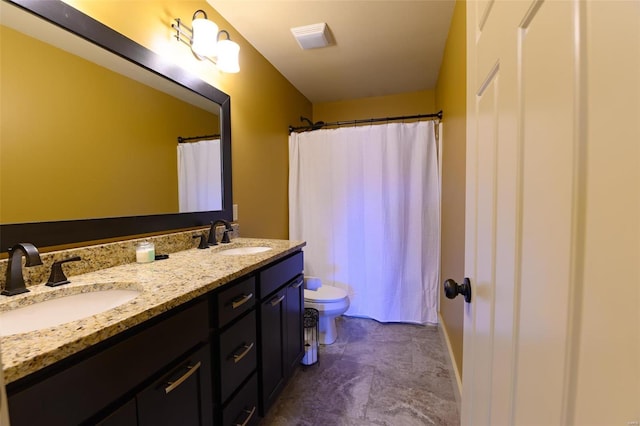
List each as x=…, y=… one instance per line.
x=312, y=36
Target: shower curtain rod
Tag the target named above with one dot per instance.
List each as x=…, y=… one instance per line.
x=321, y=124
x=193, y=138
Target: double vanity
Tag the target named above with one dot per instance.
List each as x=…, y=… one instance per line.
x=206, y=337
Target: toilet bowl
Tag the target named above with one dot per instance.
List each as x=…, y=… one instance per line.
x=330, y=302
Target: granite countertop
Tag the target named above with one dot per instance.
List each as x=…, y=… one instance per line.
x=163, y=285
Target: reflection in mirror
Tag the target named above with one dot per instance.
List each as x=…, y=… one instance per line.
x=199, y=175
x=90, y=142
x=87, y=134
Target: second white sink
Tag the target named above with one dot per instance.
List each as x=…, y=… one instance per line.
x=244, y=250
x=63, y=309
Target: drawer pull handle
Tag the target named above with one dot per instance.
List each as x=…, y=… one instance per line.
x=250, y=414
x=298, y=283
x=277, y=301
x=190, y=370
x=241, y=300
x=245, y=351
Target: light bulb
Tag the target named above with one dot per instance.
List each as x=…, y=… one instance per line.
x=203, y=42
x=228, y=56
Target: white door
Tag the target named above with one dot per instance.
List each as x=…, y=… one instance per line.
x=552, y=334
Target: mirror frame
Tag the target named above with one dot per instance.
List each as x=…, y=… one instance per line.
x=45, y=234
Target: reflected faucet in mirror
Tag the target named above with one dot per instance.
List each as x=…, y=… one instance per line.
x=225, y=235
x=15, y=281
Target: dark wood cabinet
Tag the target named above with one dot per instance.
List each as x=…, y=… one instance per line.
x=182, y=396
x=272, y=342
x=294, y=308
x=92, y=385
x=280, y=326
x=243, y=408
x=126, y=415
x=234, y=301
x=238, y=359
x=236, y=353
x=220, y=359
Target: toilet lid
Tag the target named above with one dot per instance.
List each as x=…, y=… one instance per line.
x=325, y=293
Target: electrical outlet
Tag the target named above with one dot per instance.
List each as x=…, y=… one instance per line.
x=235, y=212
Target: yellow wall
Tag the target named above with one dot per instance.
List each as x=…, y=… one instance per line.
x=422, y=102
x=263, y=104
x=84, y=141
x=451, y=98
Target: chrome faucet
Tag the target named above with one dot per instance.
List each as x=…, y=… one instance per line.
x=225, y=236
x=15, y=281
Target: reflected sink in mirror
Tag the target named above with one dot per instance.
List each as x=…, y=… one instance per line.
x=60, y=309
x=239, y=251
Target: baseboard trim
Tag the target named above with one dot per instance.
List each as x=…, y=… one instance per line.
x=456, y=378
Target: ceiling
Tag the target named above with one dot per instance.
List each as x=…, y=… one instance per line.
x=381, y=47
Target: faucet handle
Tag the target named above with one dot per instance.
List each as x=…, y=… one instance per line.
x=225, y=237
x=203, y=241
x=57, y=276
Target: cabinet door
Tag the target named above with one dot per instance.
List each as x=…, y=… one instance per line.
x=180, y=397
x=123, y=416
x=272, y=336
x=294, y=340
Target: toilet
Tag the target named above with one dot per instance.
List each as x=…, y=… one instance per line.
x=330, y=302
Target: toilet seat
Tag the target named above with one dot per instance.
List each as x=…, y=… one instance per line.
x=330, y=302
x=325, y=294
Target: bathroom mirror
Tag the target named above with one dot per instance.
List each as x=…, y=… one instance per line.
x=141, y=183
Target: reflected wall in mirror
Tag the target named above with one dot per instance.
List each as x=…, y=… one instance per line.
x=84, y=146
x=88, y=142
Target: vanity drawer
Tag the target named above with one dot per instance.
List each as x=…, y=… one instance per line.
x=277, y=275
x=243, y=408
x=237, y=354
x=236, y=300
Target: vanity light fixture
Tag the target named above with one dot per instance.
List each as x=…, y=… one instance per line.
x=204, y=40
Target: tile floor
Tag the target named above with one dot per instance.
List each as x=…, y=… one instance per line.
x=375, y=374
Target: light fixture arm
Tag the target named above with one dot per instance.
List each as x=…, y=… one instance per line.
x=184, y=34
x=195, y=14
x=225, y=32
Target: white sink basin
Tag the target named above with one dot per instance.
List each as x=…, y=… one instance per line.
x=244, y=250
x=60, y=310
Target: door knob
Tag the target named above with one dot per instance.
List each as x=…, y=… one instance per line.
x=452, y=289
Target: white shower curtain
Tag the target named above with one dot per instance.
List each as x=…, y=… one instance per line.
x=199, y=176
x=367, y=201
